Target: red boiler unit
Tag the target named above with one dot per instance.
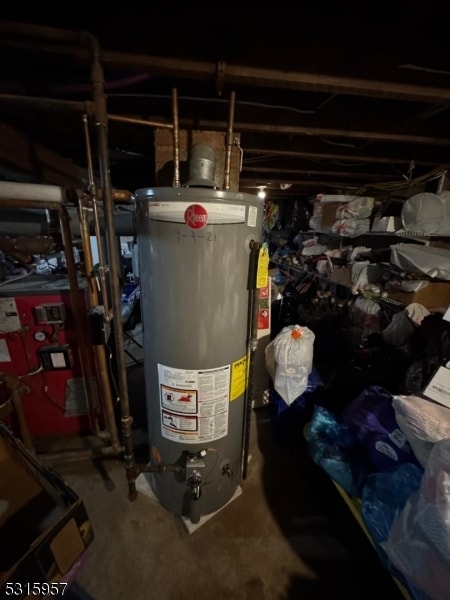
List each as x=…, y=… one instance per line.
x=39, y=344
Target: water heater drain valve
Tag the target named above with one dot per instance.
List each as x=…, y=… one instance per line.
x=194, y=462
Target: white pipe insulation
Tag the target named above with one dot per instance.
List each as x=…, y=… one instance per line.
x=33, y=221
x=32, y=191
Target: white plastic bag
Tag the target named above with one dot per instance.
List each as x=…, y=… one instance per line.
x=403, y=324
x=351, y=227
x=360, y=207
x=415, y=258
x=423, y=422
x=418, y=544
x=292, y=353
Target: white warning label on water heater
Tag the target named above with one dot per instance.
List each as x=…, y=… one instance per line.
x=194, y=404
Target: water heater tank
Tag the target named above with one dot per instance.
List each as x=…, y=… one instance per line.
x=194, y=249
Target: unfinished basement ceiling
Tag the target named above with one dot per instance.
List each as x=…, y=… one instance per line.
x=326, y=100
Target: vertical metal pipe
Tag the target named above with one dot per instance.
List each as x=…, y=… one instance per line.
x=77, y=307
x=442, y=183
x=101, y=118
x=176, y=140
x=101, y=121
x=99, y=350
x=18, y=390
x=93, y=192
x=227, y=171
x=252, y=342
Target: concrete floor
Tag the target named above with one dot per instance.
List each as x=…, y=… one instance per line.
x=288, y=535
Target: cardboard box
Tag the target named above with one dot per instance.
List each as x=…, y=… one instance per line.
x=44, y=527
x=435, y=295
x=329, y=214
x=386, y=224
x=341, y=276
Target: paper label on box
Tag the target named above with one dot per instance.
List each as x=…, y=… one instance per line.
x=439, y=387
x=67, y=546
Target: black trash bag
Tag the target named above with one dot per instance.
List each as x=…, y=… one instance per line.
x=429, y=348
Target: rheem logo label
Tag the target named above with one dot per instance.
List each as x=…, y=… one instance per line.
x=195, y=216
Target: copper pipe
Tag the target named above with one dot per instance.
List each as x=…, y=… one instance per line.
x=118, y=196
x=48, y=103
x=227, y=171
x=103, y=269
x=78, y=311
x=93, y=192
x=99, y=350
x=87, y=252
x=18, y=390
x=138, y=121
x=176, y=140
x=101, y=122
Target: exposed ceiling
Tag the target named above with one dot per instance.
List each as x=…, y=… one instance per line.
x=326, y=100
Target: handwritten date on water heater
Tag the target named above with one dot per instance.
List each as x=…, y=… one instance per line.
x=208, y=236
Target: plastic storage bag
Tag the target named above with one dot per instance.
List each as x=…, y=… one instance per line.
x=413, y=258
x=351, y=227
x=371, y=417
x=419, y=540
x=383, y=497
x=335, y=448
x=403, y=324
x=423, y=422
x=360, y=207
x=289, y=361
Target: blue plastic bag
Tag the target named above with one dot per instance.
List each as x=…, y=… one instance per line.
x=335, y=448
x=371, y=417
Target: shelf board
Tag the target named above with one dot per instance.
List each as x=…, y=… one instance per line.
x=354, y=504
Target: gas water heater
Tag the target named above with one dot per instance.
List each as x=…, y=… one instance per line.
x=194, y=246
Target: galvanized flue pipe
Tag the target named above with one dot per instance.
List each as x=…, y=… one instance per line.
x=227, y=171
x=176, y=140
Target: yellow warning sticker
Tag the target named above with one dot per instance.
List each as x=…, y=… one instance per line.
x=263, y=267
x=238, y=378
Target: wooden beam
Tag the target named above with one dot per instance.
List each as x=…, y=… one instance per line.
x=275, y=78
x=376, y=136
x=342, y=156
x=23, y=155
x=70, y=42
x=323, y=172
